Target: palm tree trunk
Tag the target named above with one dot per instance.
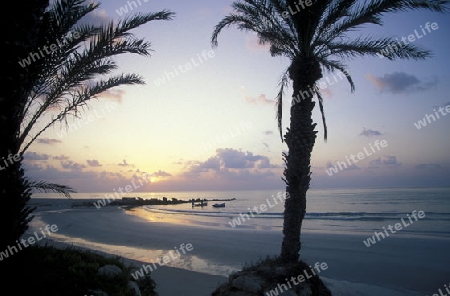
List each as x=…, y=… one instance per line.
x=300, y=139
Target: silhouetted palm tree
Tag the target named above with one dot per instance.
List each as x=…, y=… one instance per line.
x=54, y=75
x=315, y=38
x=19, y=38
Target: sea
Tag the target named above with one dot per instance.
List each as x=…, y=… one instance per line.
x=346, y=211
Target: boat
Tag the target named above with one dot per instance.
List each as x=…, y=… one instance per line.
x=200, y=204
x=219, y=205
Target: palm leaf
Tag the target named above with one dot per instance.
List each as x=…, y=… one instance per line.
x=43, y=186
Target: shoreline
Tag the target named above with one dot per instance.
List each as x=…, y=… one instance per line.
x=415, y=265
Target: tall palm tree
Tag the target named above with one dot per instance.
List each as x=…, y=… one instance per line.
x=20, y=37
x=64, y=67
x=314, y=38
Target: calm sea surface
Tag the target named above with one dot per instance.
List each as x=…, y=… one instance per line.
x=328, y=210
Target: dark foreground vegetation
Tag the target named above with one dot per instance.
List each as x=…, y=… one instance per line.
x=45, y=270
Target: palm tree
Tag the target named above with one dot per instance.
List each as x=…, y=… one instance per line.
x=314, y=38
x=20, y=37
x=66, y=67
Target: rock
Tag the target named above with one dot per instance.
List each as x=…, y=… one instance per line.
x=109, y=271
x=266, y=277
x=133, y=286
x=248, y=283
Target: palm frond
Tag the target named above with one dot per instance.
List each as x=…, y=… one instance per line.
x=371, y=46
x=43, y=186
x=62, y=79
x=333, y=65
x=320, y=99
x=284, y=82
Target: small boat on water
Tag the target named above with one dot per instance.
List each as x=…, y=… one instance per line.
x=219, y=205
x=200, y=204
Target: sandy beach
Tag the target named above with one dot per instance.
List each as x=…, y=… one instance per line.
x=396, y=266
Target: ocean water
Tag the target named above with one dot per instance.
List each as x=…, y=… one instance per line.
x=349, y=211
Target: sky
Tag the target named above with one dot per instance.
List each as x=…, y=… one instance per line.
x=205, y=119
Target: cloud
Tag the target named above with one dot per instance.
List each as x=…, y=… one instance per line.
x=400, y=82
x=161, y=174
x=227, y=160
x=35, y=156
x=97, y=17
x=326, y=92
x=113, y=94
x=60, y=157
x=443, y=106
x=235, y=159
x=72, y=166
x=388, y=161
x=268, y=133
x=93, y=163
x=262, y=99
x=428, y=166
x=348, y=168
x=124, y=163
x=370, y=133
x=84, y=180
x=48, y=141
x=252, y=44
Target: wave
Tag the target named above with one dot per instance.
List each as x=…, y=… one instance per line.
x=343, y=216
